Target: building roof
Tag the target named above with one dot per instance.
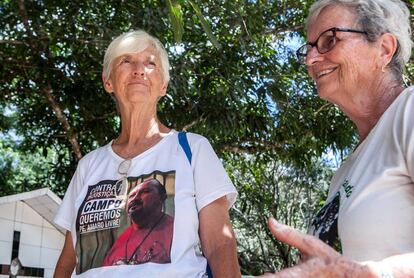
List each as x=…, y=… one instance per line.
x=43, y=201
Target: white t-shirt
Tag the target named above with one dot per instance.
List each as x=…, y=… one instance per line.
x=370, y=207
x=96, y=217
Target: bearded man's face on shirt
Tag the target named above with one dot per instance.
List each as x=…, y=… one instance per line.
x=143, y=201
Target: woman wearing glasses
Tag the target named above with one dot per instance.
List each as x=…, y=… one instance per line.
x=356, y=54
x=118, y=226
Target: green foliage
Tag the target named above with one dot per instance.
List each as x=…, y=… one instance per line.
x=268, y=187
x=234, y=79
x=22, y=171
x=205, y=25
x=249, y=95
x=176, y=19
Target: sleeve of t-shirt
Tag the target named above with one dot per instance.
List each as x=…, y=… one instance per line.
x=66, y=212
x=210, y=179
x=408, y=132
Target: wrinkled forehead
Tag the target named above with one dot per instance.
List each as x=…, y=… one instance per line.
x=131, y=45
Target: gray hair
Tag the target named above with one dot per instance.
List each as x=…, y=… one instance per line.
x=377, y=17
x=135, y=42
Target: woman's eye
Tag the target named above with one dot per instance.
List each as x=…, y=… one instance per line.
x=125, y=61
x=152, y=64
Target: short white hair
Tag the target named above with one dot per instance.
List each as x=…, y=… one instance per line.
x=135, y=42
x=377, y=17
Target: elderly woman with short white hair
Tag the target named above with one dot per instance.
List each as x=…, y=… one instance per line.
x=356, y=54
x=199, y=192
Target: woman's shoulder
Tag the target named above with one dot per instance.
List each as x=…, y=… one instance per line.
x=407, y=93
x=198, y=142
x=195, y=138
x=410, y=89
x=404, y=103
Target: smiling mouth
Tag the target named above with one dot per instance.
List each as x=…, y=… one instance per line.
x=324, y=72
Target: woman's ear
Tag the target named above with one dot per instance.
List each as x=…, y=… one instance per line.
x=164, y=89
x=389, y=44
x=107, y=84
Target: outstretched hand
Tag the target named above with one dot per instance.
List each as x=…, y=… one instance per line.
x=317, y=258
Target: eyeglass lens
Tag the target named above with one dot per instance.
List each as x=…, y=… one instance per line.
x=122, y=184
x=124, y=167
x=324, y=43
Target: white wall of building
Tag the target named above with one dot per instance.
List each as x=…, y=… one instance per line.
x=40, y=242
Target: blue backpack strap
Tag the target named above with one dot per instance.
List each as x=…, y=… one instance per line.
x=182, y=139
x=209, y=272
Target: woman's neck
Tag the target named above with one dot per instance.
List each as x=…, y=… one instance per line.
x=140, y=130
x=368, y=116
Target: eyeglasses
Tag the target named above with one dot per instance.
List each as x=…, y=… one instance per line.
x=324, y=43
x=122, y=183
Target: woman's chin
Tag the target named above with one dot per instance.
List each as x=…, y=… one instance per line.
x=138, y=93
x=138, y=98
x=327, y=92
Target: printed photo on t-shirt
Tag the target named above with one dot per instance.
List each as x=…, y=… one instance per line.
x=325, y=224
x=126, y=222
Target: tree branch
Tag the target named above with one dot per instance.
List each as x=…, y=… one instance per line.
x=281, y=30
x=11, y=42
x=193, y=123
x=251, y=149
x=48, y=92
x=23, y=14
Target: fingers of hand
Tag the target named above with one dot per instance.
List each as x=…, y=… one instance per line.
x=267, y=275
x=289, y=235
x=309, y=245
x=303, y=257
x=314, y=267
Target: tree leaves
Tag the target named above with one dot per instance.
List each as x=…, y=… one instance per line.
x=176, y=19
x=205, y=25
x=234, y=79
